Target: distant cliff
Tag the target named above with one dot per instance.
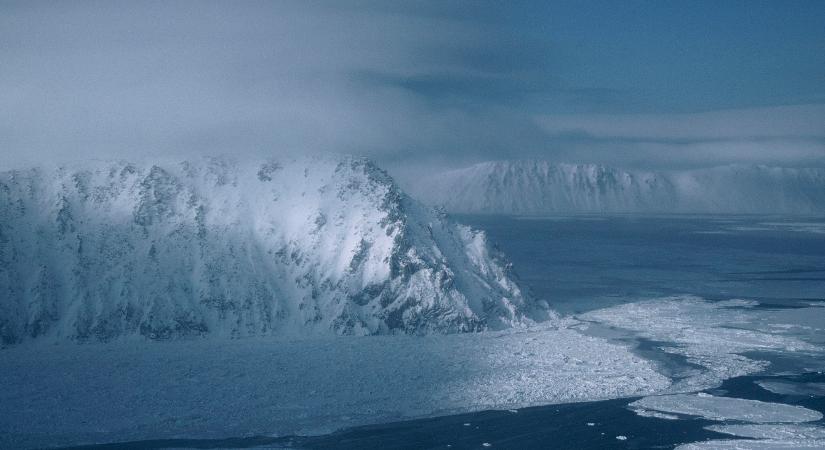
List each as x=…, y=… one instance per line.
x=540, y=187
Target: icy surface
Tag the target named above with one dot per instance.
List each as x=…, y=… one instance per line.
x=727, y=408
x=793, y=388
x=541, y=187
x=654, y=414
x=711, y=335
x=772, y=431
x=100, y=250
x=209, y=388
x=771, y=436
x=740, y=444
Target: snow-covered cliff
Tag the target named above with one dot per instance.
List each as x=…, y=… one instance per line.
x=96, y=251
x=538, y=187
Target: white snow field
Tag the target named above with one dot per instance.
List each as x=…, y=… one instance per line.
x=210, y=388
x=542, y=187
x=97, y=250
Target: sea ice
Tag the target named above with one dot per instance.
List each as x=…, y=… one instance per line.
x=772, y=431
x=741, y=444
x=655, y=414
x=726, y=408
x=713, y=335
x=125, y=390
x=790, y=388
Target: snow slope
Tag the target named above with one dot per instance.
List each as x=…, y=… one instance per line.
x=541, y=187
x=100, y=250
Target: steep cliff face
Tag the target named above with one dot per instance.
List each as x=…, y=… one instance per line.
x=752, y=189
x=96, y=251
x=538, y=187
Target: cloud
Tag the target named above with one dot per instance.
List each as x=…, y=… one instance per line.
x=797, y=121
x=666, y=155
x=114, y=79
x=781, y=135
x=442, y=82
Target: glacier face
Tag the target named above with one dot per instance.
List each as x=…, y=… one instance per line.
x=94, y=251
x=539, y=187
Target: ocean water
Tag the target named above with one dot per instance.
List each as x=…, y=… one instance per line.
x=773, y=267
x=584, y=262
x=581, y=263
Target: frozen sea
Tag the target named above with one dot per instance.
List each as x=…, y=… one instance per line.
x=694, y=331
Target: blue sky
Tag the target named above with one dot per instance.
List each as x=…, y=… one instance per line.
x=688, y=55
x=631, y=83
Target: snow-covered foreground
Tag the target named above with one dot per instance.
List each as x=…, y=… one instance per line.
x=71, y=394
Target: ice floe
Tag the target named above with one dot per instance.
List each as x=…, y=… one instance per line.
x=713, y=335
x=741, y=444
x=771, y=431
x=655, y=414
x=769, y=436
x=727, y=408
x=791, y=388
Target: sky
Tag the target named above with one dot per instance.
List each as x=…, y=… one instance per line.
x=648, y=84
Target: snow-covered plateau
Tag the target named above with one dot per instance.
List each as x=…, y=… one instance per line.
x=541, y=187
x=99, y=250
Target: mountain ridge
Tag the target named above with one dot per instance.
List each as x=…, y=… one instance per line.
x=538, y=187
x=214, y=246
